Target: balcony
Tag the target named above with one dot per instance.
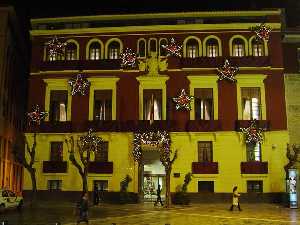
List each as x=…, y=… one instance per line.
x=205, y=168
x=214, y=62
x=265, y=124
x=51, y=127
x=103, y=64
x=101, y=167
x=55, y=166
x=254, y=167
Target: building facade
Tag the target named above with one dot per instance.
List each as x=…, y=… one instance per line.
x=13, y=78
x=123, y=101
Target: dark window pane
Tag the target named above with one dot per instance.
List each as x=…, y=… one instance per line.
x=205, y=151
x=152, y=104
x=102, y=154
x=103, y=105
x=58, y=105
x=206, y=186
x=56, y=152
x=142, y=48
x=255, y=186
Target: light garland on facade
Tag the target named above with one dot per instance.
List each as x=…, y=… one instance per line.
x=90, y=141
x=55, y=47
x=79, y=84
x=262, y=32
x=128, y=58
x=253, y=134
x=183, y=101
x=227, y=72
x=173, y=48
x=36, y=116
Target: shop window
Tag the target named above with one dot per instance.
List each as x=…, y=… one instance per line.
x=56, y=151
x=152, y=104
x=205, y=151
x=102, y=154
x=203, y=103
x=58, y=105
x=255, y=186
x=103, y=105
x=205, y=186
x=251, y=103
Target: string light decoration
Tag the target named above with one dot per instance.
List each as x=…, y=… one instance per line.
x=173, y=48
x=128, y=58
x=79, y=85
x=159, y=138
x=227, y=72
x=55, y=47
x=90, y=142
x=36, y=116
x=262, y=32
x=253, y=134
x=183, y=101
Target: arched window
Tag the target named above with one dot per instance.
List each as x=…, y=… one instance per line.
x=114, y=50
x=192, y=48
x=153, y=46
x=212, y=48
x=94, y=51
x=238, y=47
x=53, y=57
x=71, y=51
x=142, y=48
x=257, y=48
x=162, y=50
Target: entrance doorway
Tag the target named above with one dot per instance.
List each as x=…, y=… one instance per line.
x=153, y=173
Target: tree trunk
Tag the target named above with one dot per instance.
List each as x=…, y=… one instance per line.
x=168, y=191
x=33, y=181
x=84, y=183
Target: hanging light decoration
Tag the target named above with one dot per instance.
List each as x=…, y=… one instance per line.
x=227, y=72
x=90, y=141
x=253, y=134
x=36, y=116
x=79, y=85
x=128, y=58
x=55, y=47
x=262, y=32
x=183, y=101
x=173, y=48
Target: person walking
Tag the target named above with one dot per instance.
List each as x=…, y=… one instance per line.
x=158, y=199
x=96, y=195
x=235, y=199
x=83, y=209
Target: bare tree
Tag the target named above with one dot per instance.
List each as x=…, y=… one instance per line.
x=86, y=145
x=167, y=162
x=28, y=163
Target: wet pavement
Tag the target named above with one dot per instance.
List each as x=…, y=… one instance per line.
x=51, y=213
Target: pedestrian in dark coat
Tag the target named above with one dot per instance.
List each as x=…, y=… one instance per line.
x=158, y=199
x=83, y=209
x=235, y=199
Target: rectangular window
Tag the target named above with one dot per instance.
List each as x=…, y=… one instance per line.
x=205, y=151
x=251, y=103
x=56, y=151
x=212, y=50
x=253, y=152
x=152, y=104
x=203, y=103
x=258, y=50
x=191, y=51
x=54, y=185
x=238, y=50
x=58, y=105
x=205, y=186
x=101, y=185
x=113, y=53
x=103, y=105
x=102, y=154
x=255, y=186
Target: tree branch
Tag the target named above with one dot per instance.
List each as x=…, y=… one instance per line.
x=72, y=155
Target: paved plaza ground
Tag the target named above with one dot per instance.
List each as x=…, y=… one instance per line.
x=49, y=213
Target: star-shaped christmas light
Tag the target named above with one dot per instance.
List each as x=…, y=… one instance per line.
x=227, y=71
x=79, y=84
x=128, y=58
x=54, y=46
x=36, y=116
x=253, y=134
x=262, y=32
x=173, y=48
x=183, y=101
x=90, y=141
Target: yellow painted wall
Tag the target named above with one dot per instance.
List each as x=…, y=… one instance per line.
x=228, y=150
